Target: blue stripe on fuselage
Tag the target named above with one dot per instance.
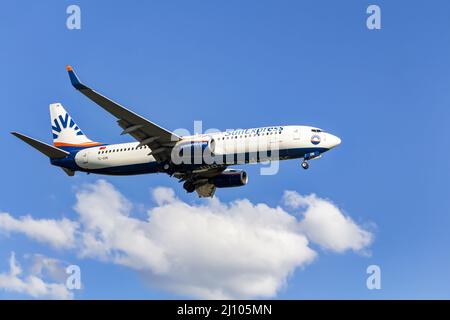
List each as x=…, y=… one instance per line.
x=154, y=167
x=75, y=149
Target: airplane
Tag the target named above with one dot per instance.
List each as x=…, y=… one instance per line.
x=201, y=161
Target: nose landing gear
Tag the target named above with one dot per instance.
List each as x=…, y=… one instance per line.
x=310, y=156
x=305, y=164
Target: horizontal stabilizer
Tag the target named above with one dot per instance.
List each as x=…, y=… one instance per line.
x=69, y=172
x=48, y=150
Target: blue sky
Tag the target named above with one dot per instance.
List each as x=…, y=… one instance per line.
x=237, y=64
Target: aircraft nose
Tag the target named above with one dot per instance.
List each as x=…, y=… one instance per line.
x=334, y=141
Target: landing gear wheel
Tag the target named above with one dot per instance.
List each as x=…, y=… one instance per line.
x=305, y=165
x=189, y=187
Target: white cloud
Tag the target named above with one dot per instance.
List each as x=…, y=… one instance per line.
x=214, y=250
x=50, y=268
x=325, y=224
x=58, y=233
x=209, y=249
x=32, y=284
x=110, y=234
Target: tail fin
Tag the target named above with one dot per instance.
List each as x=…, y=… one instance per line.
x=66, y=133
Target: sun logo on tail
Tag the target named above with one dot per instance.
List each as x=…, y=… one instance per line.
x=61, y=123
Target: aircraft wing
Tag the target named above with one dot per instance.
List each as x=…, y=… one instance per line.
x=158, y=139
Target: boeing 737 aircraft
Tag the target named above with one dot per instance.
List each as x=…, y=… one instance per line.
x=201, y=161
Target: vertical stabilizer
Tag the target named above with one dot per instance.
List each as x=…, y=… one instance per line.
x=66, y=133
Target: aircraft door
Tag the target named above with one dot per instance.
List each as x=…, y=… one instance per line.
x=274, y=140
x=296, y=134
x=84, y=157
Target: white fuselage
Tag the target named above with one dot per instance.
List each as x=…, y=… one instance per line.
x=284, y=142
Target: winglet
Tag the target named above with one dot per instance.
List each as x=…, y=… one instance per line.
x=74, y=79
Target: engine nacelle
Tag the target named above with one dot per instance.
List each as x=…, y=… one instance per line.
x=193, y=151
x=230, y=178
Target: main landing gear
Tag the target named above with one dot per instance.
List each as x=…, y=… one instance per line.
x=168, y=168
x=189, y=186
x=305, y=164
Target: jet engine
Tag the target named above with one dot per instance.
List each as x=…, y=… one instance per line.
x=193, y=151
x=230, y=178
